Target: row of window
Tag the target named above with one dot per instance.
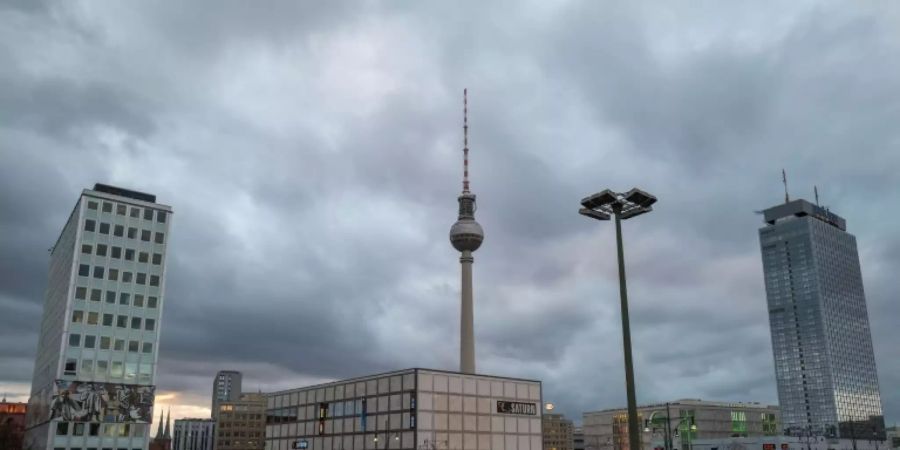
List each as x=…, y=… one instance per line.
x=96, y=295
x=119, y=231
x=122, y=209
x=116, y=252
x=100, y=429
x=99, y=272
x=94, y=318
x=106, y=343
x=102, y=369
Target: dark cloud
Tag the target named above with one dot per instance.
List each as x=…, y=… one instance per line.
x=311, y=155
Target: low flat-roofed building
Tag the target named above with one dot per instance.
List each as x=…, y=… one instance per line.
x=408, y=410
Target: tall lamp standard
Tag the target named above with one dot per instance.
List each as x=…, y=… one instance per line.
x=601, y=206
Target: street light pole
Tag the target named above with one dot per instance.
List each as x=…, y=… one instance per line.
x=601, y=206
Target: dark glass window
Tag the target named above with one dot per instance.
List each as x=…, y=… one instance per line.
x=143, y=257
x=151, y=302
x=134, y=346
x=148, y=347
x=104, y=341
x=141, y=278
x=101, y=249
x=129, y=254
x=149, y=324
x=104, y=228
x=116, y=252
x=70, y=367
x=122, y=321
x=107, y=207
x=154, y=280
x=62, y=428
x=119, y=230
x=145, y=235
x=78, y=429
x=157, y=259
x=138, y=300
x=126, y=277
x=114, y=274
x=132, y=232
x=74, y=340
x=86, y=249
x=148, y=214
x=135, y=212
x=98, y=272
x=135, y=323
x=111, y=295
x=92, y=205
x=119, y=345
x=107, y=321
x=159, y=237
x=89, y=225
x=90, y=341
x=161, y=216
x=80, y=293
x=84, y=270
x=94, y=431
x=96, y=294
x=124, y=298
x=121, y=209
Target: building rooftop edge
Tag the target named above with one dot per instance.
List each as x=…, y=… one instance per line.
x=120, y=198
x=801, y=208
x=690, y=402
x=398, y=372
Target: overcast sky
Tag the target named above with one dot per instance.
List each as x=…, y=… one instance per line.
x=312, y=154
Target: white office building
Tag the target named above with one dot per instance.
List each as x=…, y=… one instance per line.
x=406, y=410
x=194, y=434
x=96, y=358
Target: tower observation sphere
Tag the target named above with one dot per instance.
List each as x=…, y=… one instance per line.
x=466, y=234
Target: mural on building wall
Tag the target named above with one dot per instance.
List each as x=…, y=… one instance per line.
x=101, y=402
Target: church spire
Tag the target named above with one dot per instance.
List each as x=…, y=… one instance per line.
x=168, y=420
x=159, y=429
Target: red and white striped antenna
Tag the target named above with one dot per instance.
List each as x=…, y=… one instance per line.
x=465, y=141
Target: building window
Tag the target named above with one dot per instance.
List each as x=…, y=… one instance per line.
x=77, y=316
x=117, y=369
x=148, y=347
x=138, y=300
x=135, y=212
x=101, y=250
x=119, y=345
x=104, y=228
x=157, y=259
x=111, y=295
x=107, y=207
x=62, y=428
x=129, y=254
x=92, y=205
x=135, y=323
x=126, y=277
x=101, y=367
x=80, y=293
x=159, y=237
x=70, y=366
x=143, y=257
x=145, y=235
x=84, y=270
x=118, y=231
x=122, y=321
x=141, y=278
x=117, y=252
x=161, y=216
x=124, y=298
x=74, y=340
x=94, y=430
x=134, y=346
x=149, y=324
x=98, y=272
x=96, y=294
x=148, y=214
x=154, y=280
x=151, y=302
x=86, y=249
x=90, y=341
x=113, y=274
x=132, y=232
x=93, y=318
x=89, y=225
x=104, y=340
x=121, y=209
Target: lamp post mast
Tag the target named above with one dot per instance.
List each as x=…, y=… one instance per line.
x=634, y=437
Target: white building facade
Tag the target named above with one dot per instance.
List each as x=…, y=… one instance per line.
x=97, y=352
x=408, y=409
x=194, y=434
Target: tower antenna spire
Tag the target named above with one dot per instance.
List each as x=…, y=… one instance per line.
x=816, y=191
x=784, y=180
x=466, y=141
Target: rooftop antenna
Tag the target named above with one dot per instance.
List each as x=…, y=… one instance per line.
x=784, y=180
x=466, y=141
x=816, y=191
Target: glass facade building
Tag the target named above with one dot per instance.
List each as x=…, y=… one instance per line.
x=96, y=359
x=822, y=344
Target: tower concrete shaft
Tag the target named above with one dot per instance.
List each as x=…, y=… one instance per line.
x=467, y=317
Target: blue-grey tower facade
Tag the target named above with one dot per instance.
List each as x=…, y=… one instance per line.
x=824, y=360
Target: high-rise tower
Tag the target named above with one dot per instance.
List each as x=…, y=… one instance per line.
x=466, y=236
x=97, y=351
x=824, y=361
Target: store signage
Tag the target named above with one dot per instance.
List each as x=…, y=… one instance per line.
x=517, y=408
x=301, y=444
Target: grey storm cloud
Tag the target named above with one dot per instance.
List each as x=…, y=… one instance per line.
x=311, y=153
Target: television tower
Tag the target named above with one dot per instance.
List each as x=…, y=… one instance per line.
x=466, y=236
